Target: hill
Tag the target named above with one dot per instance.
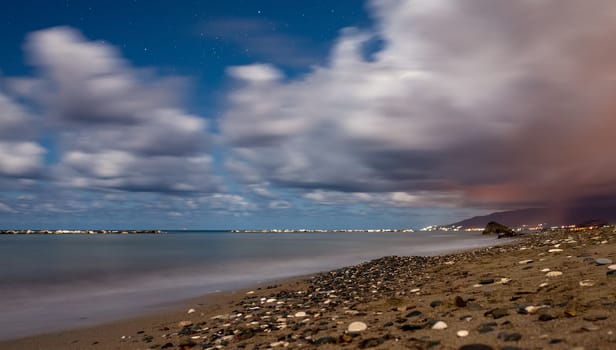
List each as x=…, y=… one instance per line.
x=550, y=216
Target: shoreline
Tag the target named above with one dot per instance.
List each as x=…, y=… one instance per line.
x=399, y=299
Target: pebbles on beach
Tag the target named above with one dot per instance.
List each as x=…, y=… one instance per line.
x=424, y=303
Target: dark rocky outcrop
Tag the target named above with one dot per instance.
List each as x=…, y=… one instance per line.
x=494, y=227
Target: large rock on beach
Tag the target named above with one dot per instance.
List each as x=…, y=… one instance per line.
x=501, y=230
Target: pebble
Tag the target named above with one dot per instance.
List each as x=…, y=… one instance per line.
x=527, y=261
x=553, y=274
x=357, y=326
x=590, y=328
x=497, y=313
x=415, y=290
x=462, y=333
x=436, y=303
x=504, y=336
x=545, y=270
x=190, y=311
x=279, y=343
x=556, y=250
x=612, y=267
x=185, y=323
x=300, y=314
x=439, y=325
x=531, y=309
x=545, y=317
x=603, y=261
x=476, y=347
x=586, y=283
x=611, y=273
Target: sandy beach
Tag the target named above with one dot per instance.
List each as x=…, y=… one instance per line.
x=544, y=291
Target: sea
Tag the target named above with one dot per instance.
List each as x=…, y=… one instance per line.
x=58, y=282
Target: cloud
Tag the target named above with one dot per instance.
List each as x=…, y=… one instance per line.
x=480, y=103
x=263, y=40
x=117, y=127
x=20, y=155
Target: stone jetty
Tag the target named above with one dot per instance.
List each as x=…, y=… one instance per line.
x=83, y=232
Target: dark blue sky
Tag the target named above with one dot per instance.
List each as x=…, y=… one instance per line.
x=323, y=114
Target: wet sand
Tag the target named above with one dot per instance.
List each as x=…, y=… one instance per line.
x=545, y=291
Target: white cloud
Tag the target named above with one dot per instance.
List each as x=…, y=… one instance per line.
x=118, y=127
x=479, y=102
x=20, y=158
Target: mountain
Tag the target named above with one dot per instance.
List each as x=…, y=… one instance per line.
x=551, y=216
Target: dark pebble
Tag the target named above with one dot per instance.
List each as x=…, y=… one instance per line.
x=371, y=342
x=545, y=317
x=593, y=318
x=436, y=303
x=413, y=313
x=484, y=329
x=167, y=346
x=556, y=341
x=432, y=343
x=388, y=324
x=411, y=327
x=148, y=338
x=497, y=313
x=460, y=302
x=611, y=273
x=509, y=336
x=476, y=347
x=487, y=281
x=325, y=340
x=473, y=306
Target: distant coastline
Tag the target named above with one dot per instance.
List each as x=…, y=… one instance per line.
x=318, y=231
x=83, y=232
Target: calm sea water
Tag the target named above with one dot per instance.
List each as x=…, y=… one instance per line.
x=50, y=282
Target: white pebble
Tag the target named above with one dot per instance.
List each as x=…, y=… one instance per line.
x=270, y=300
x=439, y=325
x=586, y=283
x=462, y=333
x=300, y=314
x=544, y=284
x=531, y=309
x=612, y=267
x=554, y=274
x=527, y=261
x=415, y=290
x=555, y=250
x=357, y=326
x=545, y=270
x=190, y=311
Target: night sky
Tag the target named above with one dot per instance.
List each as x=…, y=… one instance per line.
x=302, y=114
